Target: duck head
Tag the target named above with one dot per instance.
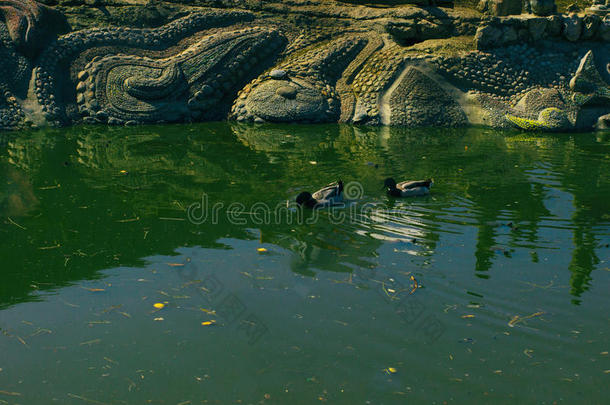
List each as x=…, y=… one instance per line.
x=305, y=199
x=389, y=183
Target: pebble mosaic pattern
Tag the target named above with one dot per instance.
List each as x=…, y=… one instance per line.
x=367, y=68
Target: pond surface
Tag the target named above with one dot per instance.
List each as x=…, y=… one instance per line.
x=162, y=265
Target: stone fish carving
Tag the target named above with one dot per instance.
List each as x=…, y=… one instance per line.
x=187, y=86
x=49, y=76
x=403, y=66
x=302, y=89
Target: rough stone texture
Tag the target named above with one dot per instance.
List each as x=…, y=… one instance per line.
x=419, y=101
x=572, y=27
x=500, y=7
x=555, y=119
x=32, y=25
x=307, y=61
x=537, y=100
x=189, y=85
x=603, y=122
x=306, y=92
x=499, y=32
x=79, y=48
x=542, y=7
x=588, y=82
x=604, y=29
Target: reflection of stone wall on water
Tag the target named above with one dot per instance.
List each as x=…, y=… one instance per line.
x=136, y=181
x=307, y=62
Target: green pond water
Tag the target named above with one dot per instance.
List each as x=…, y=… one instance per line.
x=493, y=289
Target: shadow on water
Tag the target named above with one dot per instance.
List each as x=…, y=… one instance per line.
x=76, y=201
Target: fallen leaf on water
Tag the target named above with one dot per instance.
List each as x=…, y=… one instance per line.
x=9, y=393
x=516, y=319
x=95, y=289
x=208, y=311
x=208, y=323
x=85, y=399
x=415, y=285
x=497, y=371
x=468, y=316
x=175, y=264
x=159, y=305
x=91, y=342
x=261, y=250
x=392, y=370
x=528, y=352
x=158, y=319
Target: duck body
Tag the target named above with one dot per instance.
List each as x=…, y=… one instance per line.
x=408, y=188
x=327, y=196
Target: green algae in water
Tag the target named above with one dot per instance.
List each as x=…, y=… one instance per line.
x=100, y=225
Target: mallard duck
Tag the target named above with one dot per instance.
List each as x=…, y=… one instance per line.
x=407, y=188
x=325, y=197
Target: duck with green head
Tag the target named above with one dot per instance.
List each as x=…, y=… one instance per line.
x=407, y=188
x=328, y=196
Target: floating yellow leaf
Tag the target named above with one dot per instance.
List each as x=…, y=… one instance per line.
x=516, y=319
x=468, y=316
x=208, y=323
x=261, y=250
x=12, y=394
x=159, y=305
x=158, y=319
x=123, y=172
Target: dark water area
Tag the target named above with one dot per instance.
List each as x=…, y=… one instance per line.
x=168, y=265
